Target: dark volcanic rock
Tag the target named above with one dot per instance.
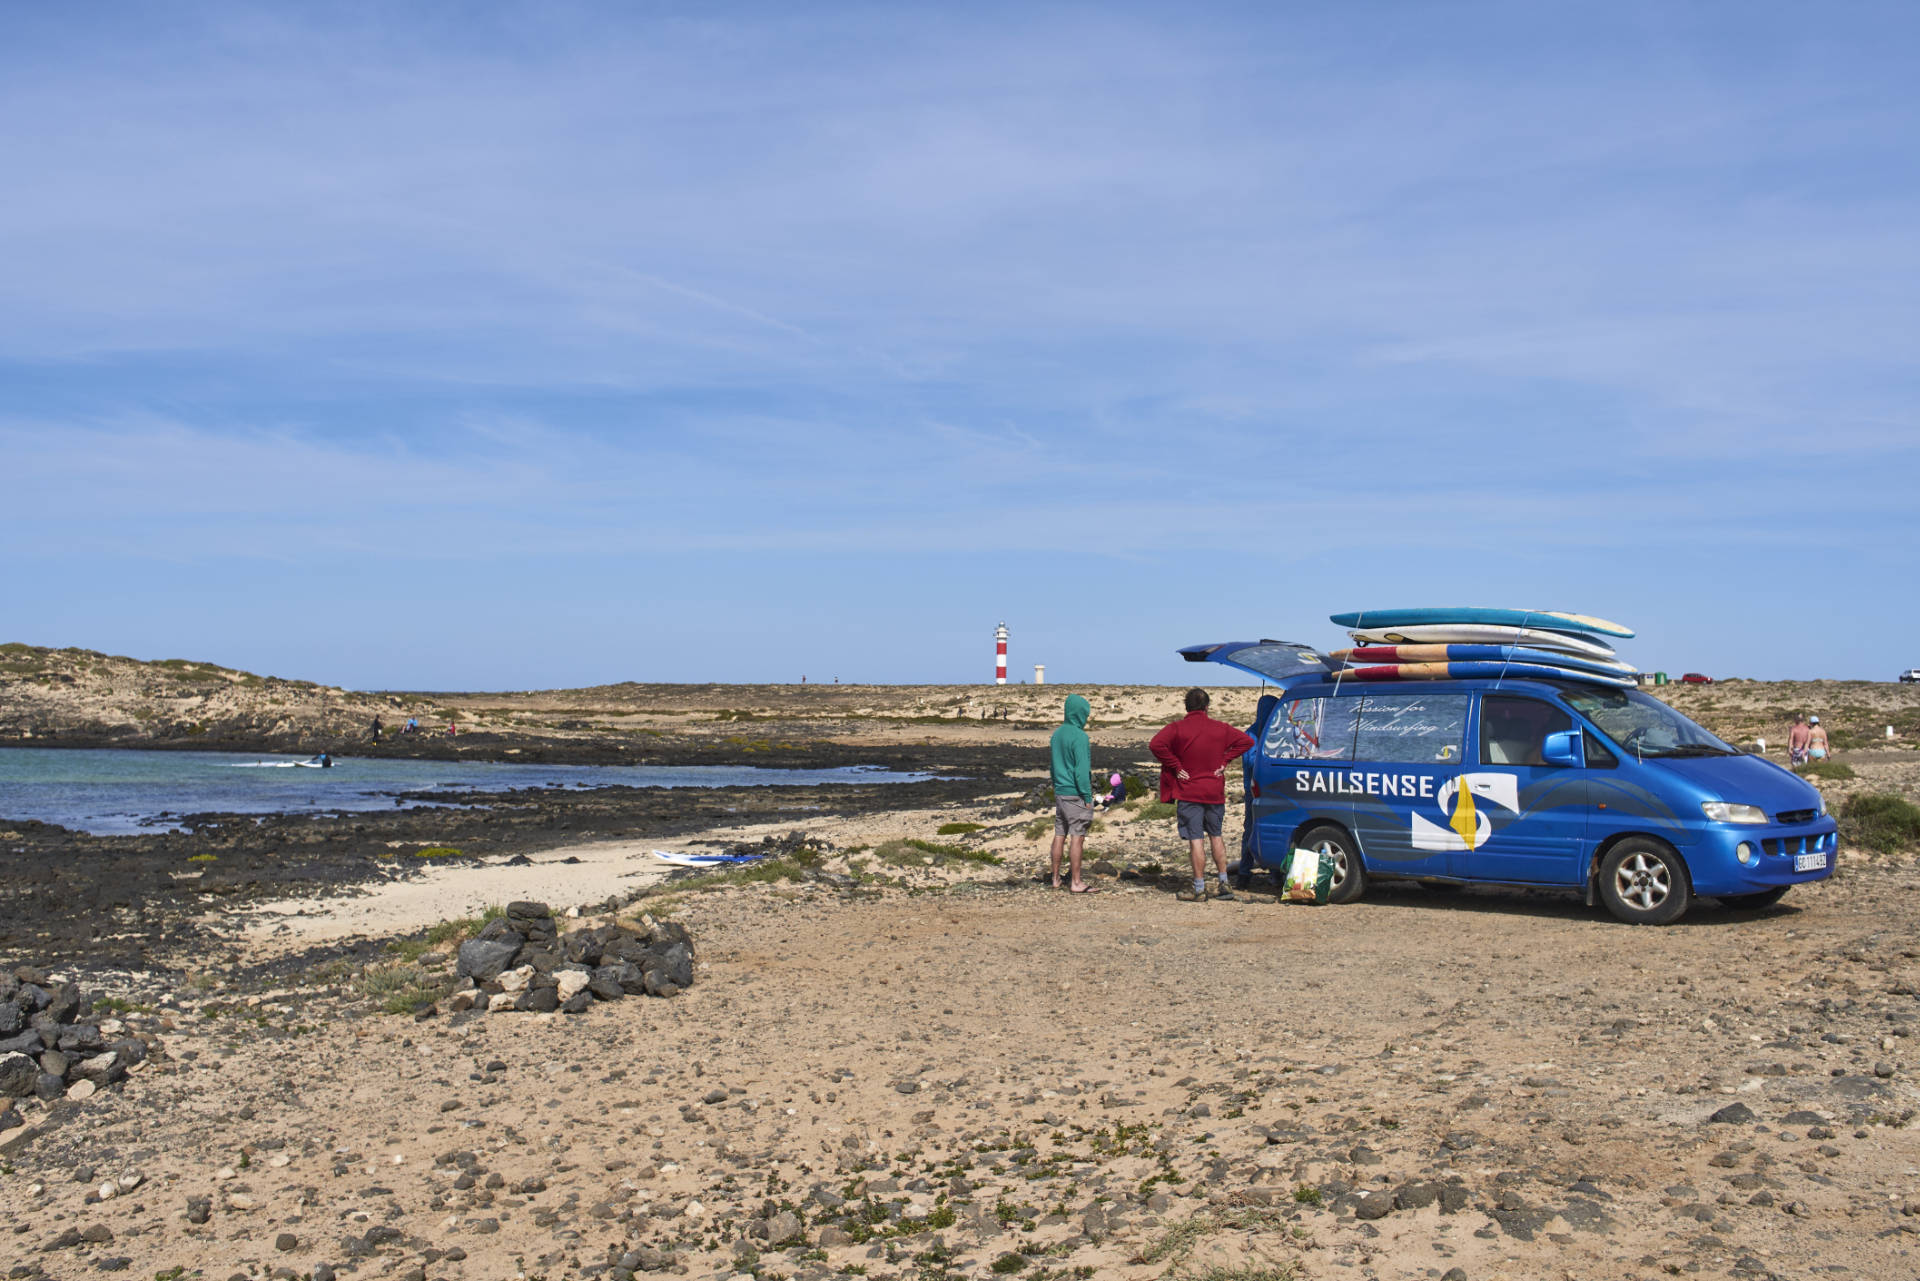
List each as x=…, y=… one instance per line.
x=18, y=1075
x=28, y=1042
x=1417, y=1195
x=82, y=1039
x=606, y=984
x=679, y=963
x=484, y=959
x=65, y=1005
x=1373, y=1205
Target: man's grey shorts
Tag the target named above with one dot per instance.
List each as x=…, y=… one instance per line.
x=1197, y=820
x=1071, y=816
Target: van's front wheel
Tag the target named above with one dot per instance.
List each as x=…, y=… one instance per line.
x=1349, y=878
x=1643, y=882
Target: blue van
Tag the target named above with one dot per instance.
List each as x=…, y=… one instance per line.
x=1541, y=783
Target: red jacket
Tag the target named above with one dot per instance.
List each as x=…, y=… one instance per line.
x=1199, y=745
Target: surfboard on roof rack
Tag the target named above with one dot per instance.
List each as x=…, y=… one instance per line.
x=1361, y=655
x=1480, y=671
x=1468, y=615
x=1485, y=634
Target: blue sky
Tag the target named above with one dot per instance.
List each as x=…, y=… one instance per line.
x=469, y=346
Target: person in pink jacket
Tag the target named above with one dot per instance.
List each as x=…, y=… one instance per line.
x=1193, y=753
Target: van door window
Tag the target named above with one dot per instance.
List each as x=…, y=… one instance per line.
x=1412, y=744
x=1311, y=729
x=1412, y=729
x=1514, y=730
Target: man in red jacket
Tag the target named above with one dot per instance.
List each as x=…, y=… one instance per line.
x=1193, y=754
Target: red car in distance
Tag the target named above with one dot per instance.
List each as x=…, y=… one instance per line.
x=1695, y=678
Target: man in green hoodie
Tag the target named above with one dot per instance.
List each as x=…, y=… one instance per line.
x=1072, y=789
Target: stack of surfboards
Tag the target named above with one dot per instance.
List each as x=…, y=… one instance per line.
x=1474, y=643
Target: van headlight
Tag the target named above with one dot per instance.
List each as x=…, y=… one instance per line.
x=1728, y=812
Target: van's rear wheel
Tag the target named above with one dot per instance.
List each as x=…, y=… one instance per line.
x=1754, y=902
x=1349, y=878
x=1644, y=882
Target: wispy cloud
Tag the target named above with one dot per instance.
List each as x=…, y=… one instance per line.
x=1021, y=293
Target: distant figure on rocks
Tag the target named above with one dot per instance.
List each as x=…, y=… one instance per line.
x=1193, y=753
x=1072, y=754
x=376, y=729
x=1816, y=739
x=413, y=724
x=1797, y=738
x=451, y=730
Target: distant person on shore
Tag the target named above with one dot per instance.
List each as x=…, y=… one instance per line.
x=1072, y=759
x=413, y=724
x=1193, y=753
x=1816, y=739
x=1797, y=739
x=376, y=729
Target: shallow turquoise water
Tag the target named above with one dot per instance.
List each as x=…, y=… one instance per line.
x=112, y=792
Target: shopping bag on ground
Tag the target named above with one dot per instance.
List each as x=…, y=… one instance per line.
x=1309, y=878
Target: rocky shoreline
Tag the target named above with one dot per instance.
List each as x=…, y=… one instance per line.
x=139, y=901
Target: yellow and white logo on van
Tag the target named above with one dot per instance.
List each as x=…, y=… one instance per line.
x=1460, y=801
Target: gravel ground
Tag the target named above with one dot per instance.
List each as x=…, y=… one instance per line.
x=931, y=1078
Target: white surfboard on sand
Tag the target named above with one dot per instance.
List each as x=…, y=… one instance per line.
x=704, y=860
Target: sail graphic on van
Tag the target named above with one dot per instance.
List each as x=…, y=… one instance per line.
x=1459, y=800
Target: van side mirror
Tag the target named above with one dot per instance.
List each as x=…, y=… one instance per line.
x=1564, y=748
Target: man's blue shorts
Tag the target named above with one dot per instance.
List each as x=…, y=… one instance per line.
x=1197, y=820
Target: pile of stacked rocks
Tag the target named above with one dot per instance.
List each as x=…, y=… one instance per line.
x=521, y=961
x=52, y=1045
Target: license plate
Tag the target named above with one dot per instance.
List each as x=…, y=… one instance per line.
x=1809, y=862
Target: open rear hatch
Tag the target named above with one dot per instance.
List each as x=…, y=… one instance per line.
x=1280, y=662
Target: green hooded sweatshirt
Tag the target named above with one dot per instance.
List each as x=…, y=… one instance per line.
x=1072, y=753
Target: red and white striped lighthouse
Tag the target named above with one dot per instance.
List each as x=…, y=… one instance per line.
x=1000, y=655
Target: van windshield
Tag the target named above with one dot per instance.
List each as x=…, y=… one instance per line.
x=1641, y=725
